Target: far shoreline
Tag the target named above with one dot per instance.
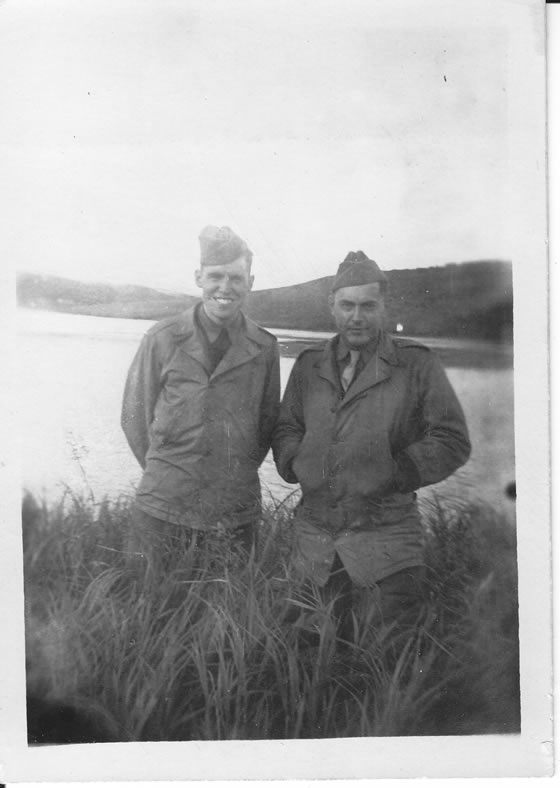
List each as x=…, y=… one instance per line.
x=468, y=352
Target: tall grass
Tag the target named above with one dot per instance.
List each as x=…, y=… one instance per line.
x=207, y=651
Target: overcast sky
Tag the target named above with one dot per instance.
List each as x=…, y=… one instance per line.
x=310, y=127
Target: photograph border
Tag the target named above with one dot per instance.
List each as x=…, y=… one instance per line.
x=517, y=755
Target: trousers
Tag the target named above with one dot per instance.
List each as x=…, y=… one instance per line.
x=392, y=605
x=394, y=601
x=154, y=545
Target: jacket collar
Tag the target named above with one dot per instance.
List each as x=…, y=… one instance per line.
x=377, y=369
x=248, y=343
x=343, y=351
x=214, y=330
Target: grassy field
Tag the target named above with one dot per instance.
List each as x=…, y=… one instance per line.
x=206, y=653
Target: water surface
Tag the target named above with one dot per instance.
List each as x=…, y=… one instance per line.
x=72, y=370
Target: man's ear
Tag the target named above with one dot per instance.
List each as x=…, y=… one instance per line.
x=251, y=280
x=330, y=301
x=198, y=277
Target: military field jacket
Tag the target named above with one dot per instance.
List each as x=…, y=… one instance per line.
x=200, y=437
x=360, y=455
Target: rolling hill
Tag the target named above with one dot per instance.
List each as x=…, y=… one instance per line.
x=35, y=291
x=471, y=299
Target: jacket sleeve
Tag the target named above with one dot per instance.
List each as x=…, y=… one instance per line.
x=444, y=445
x=290, y=428
x=270, y=403
x=141, y=392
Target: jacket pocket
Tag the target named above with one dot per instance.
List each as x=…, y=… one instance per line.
x=166, y=426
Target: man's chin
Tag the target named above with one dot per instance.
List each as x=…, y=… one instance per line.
x=357, y=340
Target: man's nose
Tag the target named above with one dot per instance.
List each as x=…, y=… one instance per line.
x=356, y=314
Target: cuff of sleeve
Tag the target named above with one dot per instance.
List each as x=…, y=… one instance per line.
x=407, y=478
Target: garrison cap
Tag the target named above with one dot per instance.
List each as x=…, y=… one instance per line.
x=357, y=269
x=220, y=245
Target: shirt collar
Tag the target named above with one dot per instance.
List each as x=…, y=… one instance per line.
x=366, y=352
x=213, y=330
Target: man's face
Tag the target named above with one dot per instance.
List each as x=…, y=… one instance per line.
x=358, y=312
x=224, y=288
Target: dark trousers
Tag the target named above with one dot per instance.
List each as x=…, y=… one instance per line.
x=393, y=603
x=153, y=545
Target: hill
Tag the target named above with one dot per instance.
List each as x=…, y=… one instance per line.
x=471, y=299
x=58, y=294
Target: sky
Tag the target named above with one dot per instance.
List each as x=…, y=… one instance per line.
x=311, y=128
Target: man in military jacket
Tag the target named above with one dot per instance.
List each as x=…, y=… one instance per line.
x=365, y=421
x=200, y=404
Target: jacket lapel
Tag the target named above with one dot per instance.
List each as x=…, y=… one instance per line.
x=239, y=353
x=188, y=342
x=247, y=345
x=377, y=369
x=325, y=366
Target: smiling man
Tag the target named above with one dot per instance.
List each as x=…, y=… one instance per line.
x=200, y=405
x=365, y=421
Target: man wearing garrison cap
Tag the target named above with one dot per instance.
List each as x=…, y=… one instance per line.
x=200, y=404
x=365, y=421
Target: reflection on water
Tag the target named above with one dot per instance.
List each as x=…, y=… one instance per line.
x=72, y=372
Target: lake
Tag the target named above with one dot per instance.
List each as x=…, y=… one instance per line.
x=72, y=370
